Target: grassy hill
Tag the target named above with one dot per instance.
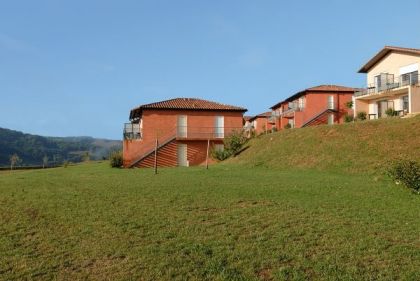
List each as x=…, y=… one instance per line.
x=354, y=147
x=231, y=222
x=32, y=148
x=287, y=208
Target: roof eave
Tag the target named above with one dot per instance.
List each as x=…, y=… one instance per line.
x=140, y=110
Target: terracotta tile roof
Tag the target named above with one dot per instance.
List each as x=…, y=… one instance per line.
x=320, y=88
x=261, y=115
x=331, y=88
x=185, y=104
x=385, y=51
x=247, y=117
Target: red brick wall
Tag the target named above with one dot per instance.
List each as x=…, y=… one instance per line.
x=167, y=155
x=315, y=103
x=262, y=124
x=162, y=123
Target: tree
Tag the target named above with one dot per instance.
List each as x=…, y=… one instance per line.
x=44, y=161
x=14, y=160
x=86, y=156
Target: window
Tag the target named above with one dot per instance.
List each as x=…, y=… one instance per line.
x=330, y=104
x=219, y=125
x=182, y=126
x=302, y=103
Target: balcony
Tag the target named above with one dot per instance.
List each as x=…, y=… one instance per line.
x=388, y=85
x=204, y=133
x=290, y=112
x=131, y=131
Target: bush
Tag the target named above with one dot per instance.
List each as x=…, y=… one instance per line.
x=233, y=143
x=349, y=104
x=274, y=129
x=287, y=126
x=65, y=164
x=348, y=118
x=361, y=115
x=220, y=154
x=390, y=112
x=116, y=159
x=406, y=172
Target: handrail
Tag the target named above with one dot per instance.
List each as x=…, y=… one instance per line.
x=132, y=131
x=315, y=117
x=188, y=132
x=151, y=145
x=402, y=81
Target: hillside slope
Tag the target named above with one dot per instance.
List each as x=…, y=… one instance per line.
x=356, y=147
x=32, y=148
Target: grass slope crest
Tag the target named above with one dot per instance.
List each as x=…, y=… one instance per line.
x=368, y=146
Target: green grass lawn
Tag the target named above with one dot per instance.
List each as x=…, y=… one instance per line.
x=231, y=222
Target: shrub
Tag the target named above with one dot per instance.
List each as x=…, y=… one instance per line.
x=274, y=129
x=287, y=126
x=220, y=154
x=116, y=159
x=361, y=115
x=348, y=118
x=349, y=104
x=406, y=172
x=390, y=112
x=65, y=163
x=233, y=143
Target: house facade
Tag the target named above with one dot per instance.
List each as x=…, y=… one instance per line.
x=262, y=123
x=392, y=84
x=324, y=104
x=182, y=129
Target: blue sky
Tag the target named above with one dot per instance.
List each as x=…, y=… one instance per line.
x=70, y=68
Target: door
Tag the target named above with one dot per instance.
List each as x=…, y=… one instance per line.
x=405, y=104
x=182, y=126
x=219, y=127
x=383, y=106
x=182, y=155
x=330, y=119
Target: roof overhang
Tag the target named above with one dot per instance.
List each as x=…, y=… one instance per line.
x=383, y=53
x=136, y=113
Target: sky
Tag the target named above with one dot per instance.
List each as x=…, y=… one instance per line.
x=76, y=68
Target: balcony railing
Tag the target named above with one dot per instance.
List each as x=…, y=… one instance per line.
x=390, y=84
x=291, y=110
x=131, y=131
x=204, y=133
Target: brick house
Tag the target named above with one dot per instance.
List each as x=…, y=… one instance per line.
x=324, y=104
x=262, y=122
x=392, y=84
x=183, y=127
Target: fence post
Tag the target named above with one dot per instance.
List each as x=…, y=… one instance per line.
x=156, y=148
x=207, y=155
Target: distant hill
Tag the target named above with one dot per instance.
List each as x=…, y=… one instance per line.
x=32, y=148
x=367, y=146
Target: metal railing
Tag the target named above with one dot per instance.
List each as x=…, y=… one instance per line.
x=188, y=132
x=291, y=110
x=390, y=84
x=131, y=131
